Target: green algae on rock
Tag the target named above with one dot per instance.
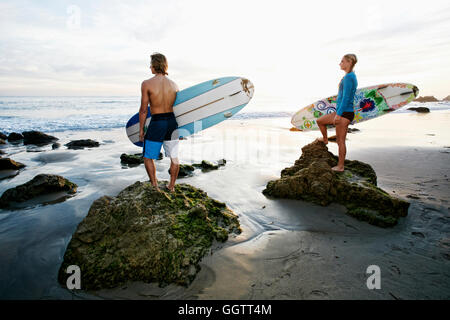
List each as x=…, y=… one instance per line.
x=311, y=179
x=147, y=235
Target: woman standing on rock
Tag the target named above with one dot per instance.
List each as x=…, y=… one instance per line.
x=344, y=109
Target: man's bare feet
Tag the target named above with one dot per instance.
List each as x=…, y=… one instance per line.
x=338, y=169
x=171, y=188
x=321, y=139
x=156, y=187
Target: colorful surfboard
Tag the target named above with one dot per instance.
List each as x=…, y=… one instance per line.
x=202, y=106
x=369, y=103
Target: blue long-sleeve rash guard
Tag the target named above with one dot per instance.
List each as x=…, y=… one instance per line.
x=346, y=94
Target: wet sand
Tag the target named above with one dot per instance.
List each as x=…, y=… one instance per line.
x=288, y=249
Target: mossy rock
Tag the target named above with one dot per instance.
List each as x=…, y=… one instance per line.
x=147, y=235
x=311, y=179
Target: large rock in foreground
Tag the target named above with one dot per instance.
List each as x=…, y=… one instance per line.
x=42, y=184
x=147, y=235
x=311, y=179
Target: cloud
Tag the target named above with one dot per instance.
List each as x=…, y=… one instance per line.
x=289, y=49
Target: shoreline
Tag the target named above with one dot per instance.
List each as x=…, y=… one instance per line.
x=256, y=264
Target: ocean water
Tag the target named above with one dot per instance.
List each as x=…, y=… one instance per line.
x=54, y=114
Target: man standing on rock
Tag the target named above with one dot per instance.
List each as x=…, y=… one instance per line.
x=160, y=92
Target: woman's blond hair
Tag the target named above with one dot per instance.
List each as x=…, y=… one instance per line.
x=159, y=63
x=352, y=59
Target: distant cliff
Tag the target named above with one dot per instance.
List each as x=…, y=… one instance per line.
x=426, y=99
x=446, y=98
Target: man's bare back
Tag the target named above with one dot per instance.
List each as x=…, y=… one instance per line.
x=161, y=93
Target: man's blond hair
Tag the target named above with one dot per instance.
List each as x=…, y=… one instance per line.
x=159, y=63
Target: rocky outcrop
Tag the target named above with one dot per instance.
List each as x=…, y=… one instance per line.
x=420, y=109
x=81, y=144
x=311, y=179
x=147, y=235
x=41, y=184
x=426, y=99
x=37, y=138
x=447, y=98
x=10, y=164
x=3, y=136
x=15, y=137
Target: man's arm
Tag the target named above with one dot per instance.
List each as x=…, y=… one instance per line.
x=143, y=111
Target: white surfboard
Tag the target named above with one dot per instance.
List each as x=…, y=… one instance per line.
x=202, y=106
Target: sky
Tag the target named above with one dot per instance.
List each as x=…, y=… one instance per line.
x=290, y=50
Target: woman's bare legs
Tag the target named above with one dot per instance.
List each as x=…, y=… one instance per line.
x=341, y=133
x=322, y=123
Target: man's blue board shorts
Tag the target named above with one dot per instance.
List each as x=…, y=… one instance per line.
x=161, y=132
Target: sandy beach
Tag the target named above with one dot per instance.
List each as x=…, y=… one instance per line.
x=288, y=249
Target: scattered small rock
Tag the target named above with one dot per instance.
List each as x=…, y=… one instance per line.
x=40, y=185
x=206, y=165
x=135, y=159
x=56, y=145
x=15, y=137
x=420, y=109
x=10, y=164
x=81, y=144
x=37, y=138
x=131, y=159
x=3, y=136
x=186, y=170
x=413, y=196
